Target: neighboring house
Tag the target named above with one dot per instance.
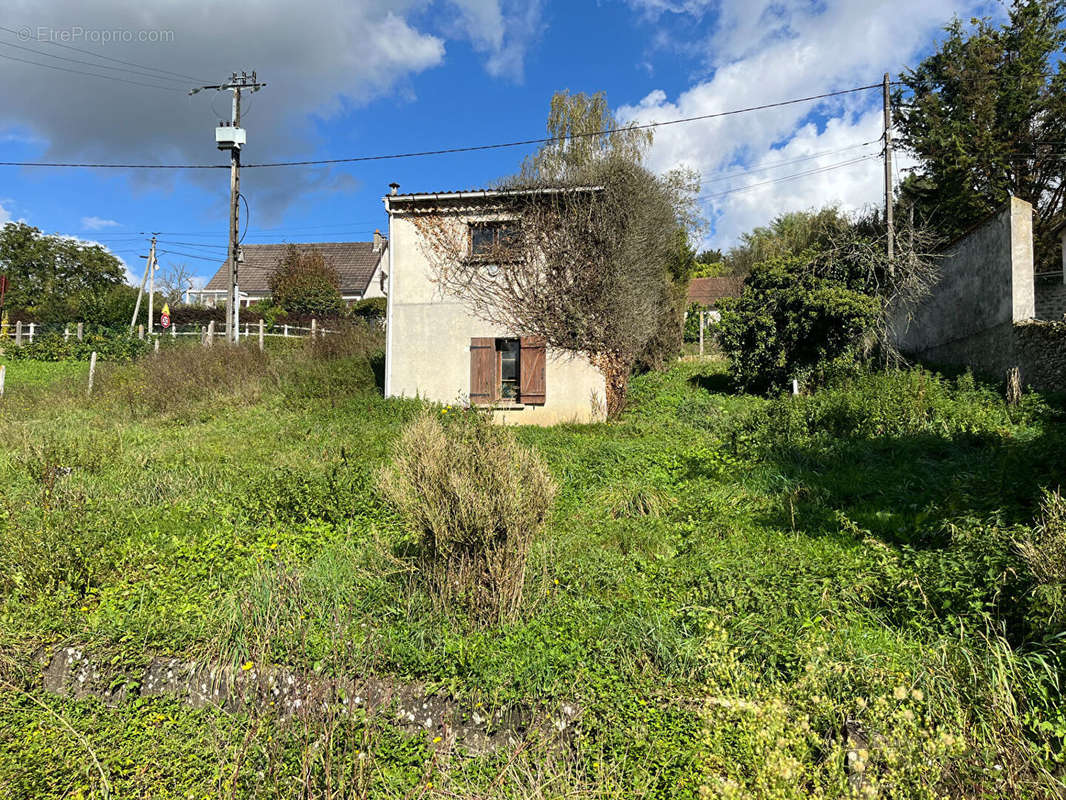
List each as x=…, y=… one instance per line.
x=438, y=349
x=987, y=310
x=706, y=292
x=360, y=266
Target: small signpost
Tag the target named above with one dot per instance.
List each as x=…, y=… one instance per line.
x=164, y=318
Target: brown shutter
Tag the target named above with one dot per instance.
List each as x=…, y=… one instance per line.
x=532, y=388
x=482, y=371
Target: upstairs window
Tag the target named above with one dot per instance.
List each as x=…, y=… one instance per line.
x=490, y=240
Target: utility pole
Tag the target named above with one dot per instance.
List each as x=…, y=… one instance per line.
x=232, y=137
x=147, y=269
x=151, y=290
x=889, y=222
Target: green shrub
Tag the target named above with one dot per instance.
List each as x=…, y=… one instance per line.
x=371, y=307
x=474, y=498
x=55, y=347
x=306, y=283
x=793, y=322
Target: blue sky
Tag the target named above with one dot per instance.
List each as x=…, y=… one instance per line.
x=374, y=77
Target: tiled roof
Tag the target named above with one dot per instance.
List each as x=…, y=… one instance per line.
x=354, y=261
x=706, y=292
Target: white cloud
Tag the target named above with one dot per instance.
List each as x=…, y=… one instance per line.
x=765, y=51
x=320, y=58
x=97, y=223
x=5, y=215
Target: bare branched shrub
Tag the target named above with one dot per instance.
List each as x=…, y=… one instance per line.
x=474, y=498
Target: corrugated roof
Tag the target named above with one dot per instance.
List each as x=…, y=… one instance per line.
x=706, y=292
x=354, y=261
x=471, y=194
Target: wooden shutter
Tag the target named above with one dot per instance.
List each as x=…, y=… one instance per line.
x=482, y=371
x=532, y=388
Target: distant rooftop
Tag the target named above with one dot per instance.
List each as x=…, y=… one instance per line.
x=483, y=194
x=355, y=262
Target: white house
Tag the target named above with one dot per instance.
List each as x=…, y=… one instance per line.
x=360, y=266
x=438, y=349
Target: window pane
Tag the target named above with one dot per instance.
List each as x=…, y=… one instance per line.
x=481, y=240
x=509, y=349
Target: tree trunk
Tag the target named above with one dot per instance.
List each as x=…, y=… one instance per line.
x=616, y=371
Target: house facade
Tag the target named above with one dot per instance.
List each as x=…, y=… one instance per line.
x=440, y=350
x=360, y=266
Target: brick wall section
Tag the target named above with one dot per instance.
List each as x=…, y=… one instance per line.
x=1051, y=300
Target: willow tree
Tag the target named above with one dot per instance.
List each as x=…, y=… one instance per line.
x=596, y=260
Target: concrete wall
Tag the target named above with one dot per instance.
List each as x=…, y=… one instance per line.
x=428, y=349
x=985, y=283
x=982, y=312
x=374, y=289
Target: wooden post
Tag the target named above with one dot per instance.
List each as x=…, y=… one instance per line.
x=262, y=334
x=81, y=330
x=66, y=333
x=210, y=333
x=701, y=331
x=3, y=371
x=314, y=327
x=92, y=371
x=18, y=333
x=140, y=332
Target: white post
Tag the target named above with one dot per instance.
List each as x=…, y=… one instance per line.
x=314, y=327
x=151, y=296
x=18, y=333
x=155, y=344
x=173, y=330
x=32, y=326
x=66, y=333
x=286, y=330
x=81, y=330
x=3, y=371
x=262, y=334
x=701, y=331
x=795, y=387
x=92, y=371
x=210, y=333
x=140, y=332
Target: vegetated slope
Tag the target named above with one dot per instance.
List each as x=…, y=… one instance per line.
x=738, y=591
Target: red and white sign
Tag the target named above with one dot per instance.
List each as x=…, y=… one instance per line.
x=164, y=318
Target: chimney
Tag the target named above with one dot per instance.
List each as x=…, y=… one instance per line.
x=394, y=188
x=379, y=241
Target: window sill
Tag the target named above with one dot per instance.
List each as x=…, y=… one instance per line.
x=503, y=406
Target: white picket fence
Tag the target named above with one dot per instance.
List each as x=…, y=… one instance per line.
x=24, y=333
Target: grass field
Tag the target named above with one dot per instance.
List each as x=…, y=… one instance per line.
x=730, y=587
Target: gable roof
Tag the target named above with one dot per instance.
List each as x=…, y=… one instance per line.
x=706, y=292
x=355, y=262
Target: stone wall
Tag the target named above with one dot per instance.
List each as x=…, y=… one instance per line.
x=1040, y=353
x=1051, y=300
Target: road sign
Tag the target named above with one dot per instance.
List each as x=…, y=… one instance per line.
x=164, y=318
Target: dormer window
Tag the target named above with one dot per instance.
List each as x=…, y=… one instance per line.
x=489, y=239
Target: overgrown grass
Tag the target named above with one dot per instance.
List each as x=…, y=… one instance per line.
x=748, y=597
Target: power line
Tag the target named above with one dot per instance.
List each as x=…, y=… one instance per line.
x=89, y=63
x=90, y=74
x=776, y=164
x=451, y=150
x=815, y=171
x=109, y=58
